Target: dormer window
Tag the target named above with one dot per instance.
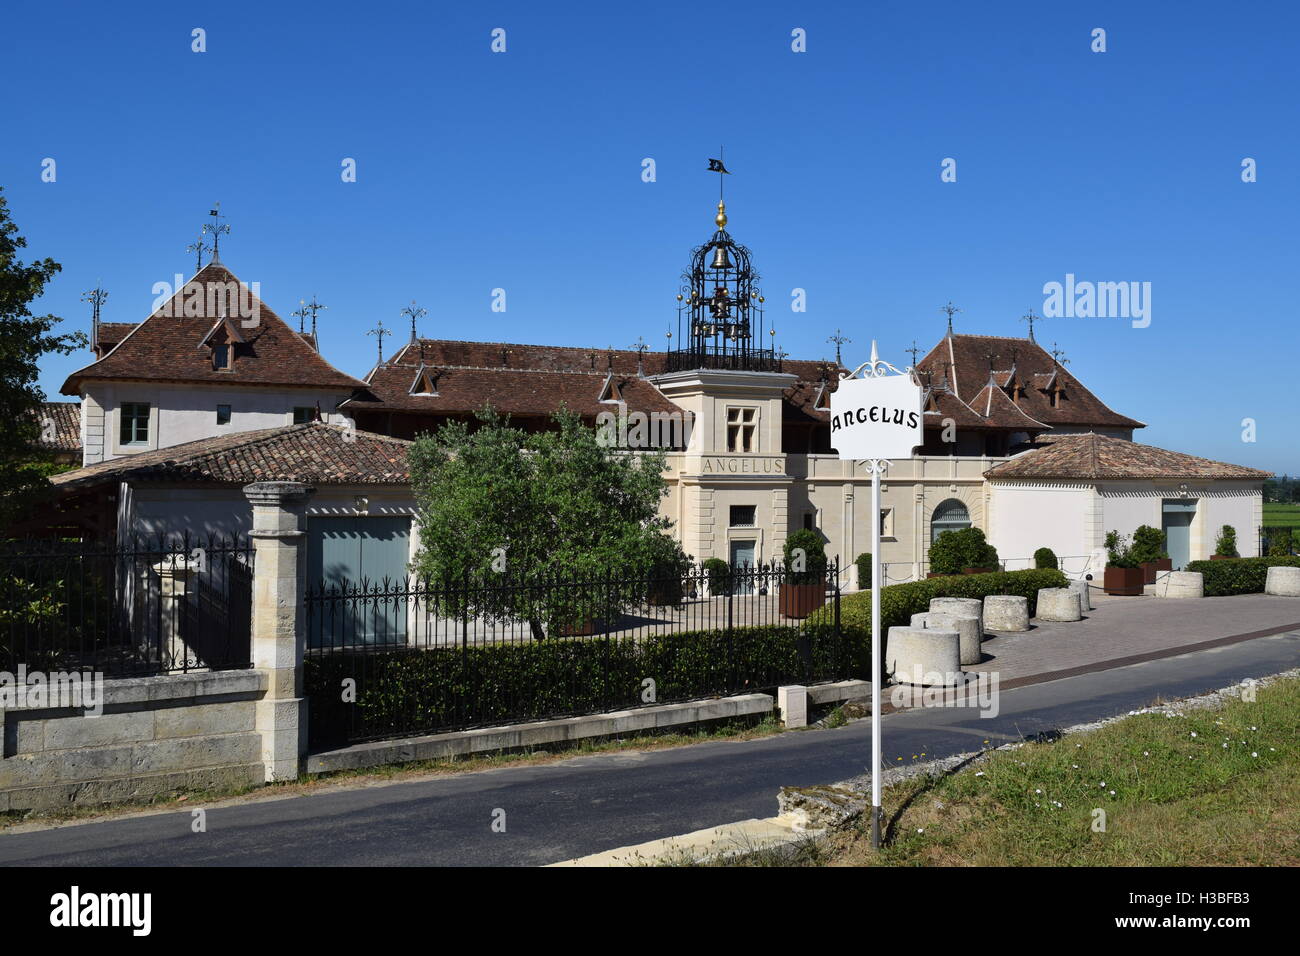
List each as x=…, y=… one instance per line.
x=426, y=382
x=611, y=392
x=221, y=357
x=220, y=343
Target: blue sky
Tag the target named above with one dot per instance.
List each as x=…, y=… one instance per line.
x=522, y=171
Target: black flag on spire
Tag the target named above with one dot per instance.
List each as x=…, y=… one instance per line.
x=715, y=166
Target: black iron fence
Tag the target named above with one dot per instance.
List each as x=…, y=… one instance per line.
x=396, y=658
x=131, y=608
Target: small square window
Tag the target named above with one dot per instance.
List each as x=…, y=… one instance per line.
x=223, y=414
x=303, y=414
x=134, y=423
x=742, y=423
x=743, y=516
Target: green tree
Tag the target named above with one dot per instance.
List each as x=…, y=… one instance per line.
x=955, y=551
x=24, y=338
x=501, y=506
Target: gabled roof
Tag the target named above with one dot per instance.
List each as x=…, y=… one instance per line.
x=165, y=347
x=109, y=334
x=1093, y=456
x=967, y=358
x=313, y=452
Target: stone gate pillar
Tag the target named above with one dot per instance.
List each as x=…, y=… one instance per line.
x=279, y=634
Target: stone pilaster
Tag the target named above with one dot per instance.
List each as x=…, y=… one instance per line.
x=279, y=634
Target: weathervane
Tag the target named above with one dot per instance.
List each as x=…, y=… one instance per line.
x=216, y=228
x=379, y=332
x=198, y=248
x=1058, y=356
x=913, y=350
x=716, y=166
x=1031, y=319
x=95, y=297
x=951, y=310
x=840, y=339
x=415, y=314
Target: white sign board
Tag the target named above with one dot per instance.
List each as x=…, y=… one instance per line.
x=876, y=417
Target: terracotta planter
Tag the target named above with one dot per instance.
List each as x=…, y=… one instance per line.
x=1148, y=572
x=937, y=574
x=1124, y=581
x=1164, y=564
x=1222, y=557
x=582, y=628
x=978, y=570
x=800, y=600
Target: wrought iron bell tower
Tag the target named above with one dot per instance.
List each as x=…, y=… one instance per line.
x=720, y=310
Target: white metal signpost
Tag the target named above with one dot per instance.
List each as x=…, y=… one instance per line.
x=876, y=415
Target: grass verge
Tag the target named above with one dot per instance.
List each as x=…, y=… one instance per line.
x=1205, y=787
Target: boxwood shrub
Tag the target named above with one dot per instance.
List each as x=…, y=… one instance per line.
x=411, y=690
x=1238, y=575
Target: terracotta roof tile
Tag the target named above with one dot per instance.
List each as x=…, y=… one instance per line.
x=314, y=453
x=66, y=419
x=1093, y=456
x=165, y=347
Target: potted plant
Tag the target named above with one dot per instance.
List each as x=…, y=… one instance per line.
x=1148, y=550
x=1124, y=575
x=1045, y=558
x=804, y=588
x=1225, y=545
x=962, y=552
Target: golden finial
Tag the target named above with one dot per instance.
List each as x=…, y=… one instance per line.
x=721, y=218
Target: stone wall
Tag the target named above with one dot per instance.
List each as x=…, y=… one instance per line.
x=155, y=735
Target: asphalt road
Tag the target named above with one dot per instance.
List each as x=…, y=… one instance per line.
x=588, y=804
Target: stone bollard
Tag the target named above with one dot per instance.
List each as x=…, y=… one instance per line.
x=1283, y=581
x=968, y=631
x=1181, y=584
x=1085, y=594
x=1006, y=612
x=959, y=606
x=792, y=699
x=921, y=656
x=1058, y=604
x=279, y=635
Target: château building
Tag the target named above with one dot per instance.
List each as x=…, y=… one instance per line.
x=180, y=411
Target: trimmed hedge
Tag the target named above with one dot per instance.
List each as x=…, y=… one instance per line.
x=409, y=690
x=1045, y=558
x=1238, y=575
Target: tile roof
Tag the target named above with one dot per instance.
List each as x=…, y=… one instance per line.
x=1093, y=456
x=165, y=346
x=109, y=334
x=313, y=452
x=998, y=410
x=525, y=380
x=66, y=418
x=965, y=360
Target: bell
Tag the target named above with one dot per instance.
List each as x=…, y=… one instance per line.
x=720, y=258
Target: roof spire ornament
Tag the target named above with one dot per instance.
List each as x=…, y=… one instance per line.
x=913, y=350
x=1031, y=318
x=216, y=229
x=198, y=248
x=415, y=314
x=379, y=332
x=1058, y=356
x=840, y=339
x=951, y=310
x=95, y=297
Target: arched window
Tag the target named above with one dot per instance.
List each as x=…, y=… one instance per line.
x=951, y=515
